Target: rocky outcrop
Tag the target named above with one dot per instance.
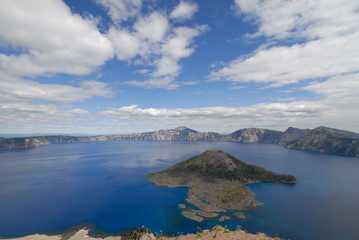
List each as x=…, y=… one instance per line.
x=141, y=234
x=221, y=233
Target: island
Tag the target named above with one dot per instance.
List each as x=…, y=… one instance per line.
x=217, y=183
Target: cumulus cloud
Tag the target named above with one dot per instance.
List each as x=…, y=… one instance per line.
x=310, y=19
x=184, y=11
x=126, y=44
x=43, y=47
x=282, y=65
x=327, y=32
x=156, y=43
x=120, y=10
x=152, y=27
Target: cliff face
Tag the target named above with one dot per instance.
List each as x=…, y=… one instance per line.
x=14, y=143
x=177, y=134
x=255, y=135
x=328, y=140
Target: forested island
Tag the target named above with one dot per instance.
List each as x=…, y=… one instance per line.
x=320, y=139
x=217, y=184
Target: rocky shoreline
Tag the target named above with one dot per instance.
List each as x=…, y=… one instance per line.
x=207, y=196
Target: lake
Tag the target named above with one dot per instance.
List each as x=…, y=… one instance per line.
x=57, y=186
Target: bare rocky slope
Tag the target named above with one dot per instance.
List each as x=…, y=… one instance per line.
x=320, y=139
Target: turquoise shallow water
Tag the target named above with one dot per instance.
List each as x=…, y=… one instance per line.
x=57, y=186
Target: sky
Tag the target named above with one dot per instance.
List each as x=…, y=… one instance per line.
x=129, y=66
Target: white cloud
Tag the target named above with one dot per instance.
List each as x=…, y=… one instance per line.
x=225, y=119
x=35, y=113
x=190, y=83
x=63, y=43
x=165, y=82
x=336, y=107
x=152, y=41
x=126, y=44
x=329, y=31
x=284, y=65
x=120, y=10
x=184, y=10
x=158, y=44
x=339, y=93
x=13, y=89
x=153, y=27
x=301, y=18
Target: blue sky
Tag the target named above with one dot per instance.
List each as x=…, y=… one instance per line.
x=124, y=66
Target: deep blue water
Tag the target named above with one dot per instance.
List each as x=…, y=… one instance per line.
x=57, y=186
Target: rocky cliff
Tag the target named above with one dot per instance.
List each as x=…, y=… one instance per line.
x=320, y=139
x=177, y=134
x=328, y=140
x=14, y=143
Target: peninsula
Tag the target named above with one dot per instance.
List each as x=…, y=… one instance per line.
x=217, y=184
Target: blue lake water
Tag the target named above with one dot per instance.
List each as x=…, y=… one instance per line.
x=57, y=186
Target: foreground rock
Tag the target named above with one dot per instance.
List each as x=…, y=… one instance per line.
x=82, y=234
x=220, y=233
x=141, y=234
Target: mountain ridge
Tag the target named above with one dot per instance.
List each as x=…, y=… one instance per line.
x=319, y=139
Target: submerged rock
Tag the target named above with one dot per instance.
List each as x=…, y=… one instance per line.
x=223, y=218
x=192, y=215
x=239, y=215
x=181, y=206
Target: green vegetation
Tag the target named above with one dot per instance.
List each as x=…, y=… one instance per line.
x=235, y=194
x=215, y=163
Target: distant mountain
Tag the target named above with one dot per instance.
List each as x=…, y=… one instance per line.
x=320, y=139
x=328, y=140
x=32, y=142
x=255, y=135
x=178, y=134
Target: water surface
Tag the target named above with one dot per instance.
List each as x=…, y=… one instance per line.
x=58, y=186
